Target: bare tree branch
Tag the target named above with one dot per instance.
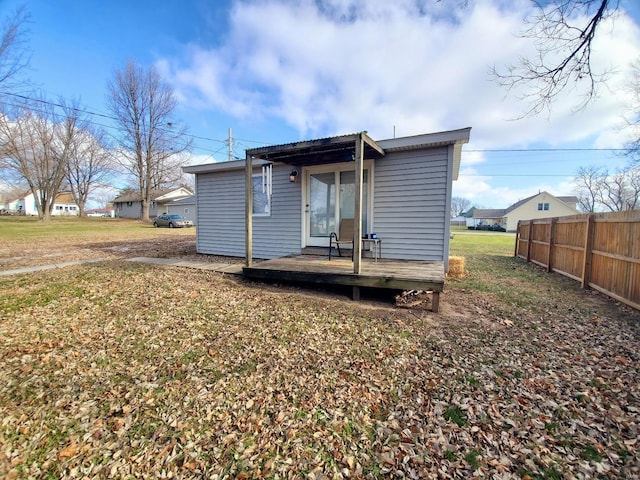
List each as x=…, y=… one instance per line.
x=563, y=31
x=13, y=52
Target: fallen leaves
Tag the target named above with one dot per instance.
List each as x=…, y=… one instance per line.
x=176, y=373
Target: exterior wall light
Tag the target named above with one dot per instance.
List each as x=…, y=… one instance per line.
x=293, y=176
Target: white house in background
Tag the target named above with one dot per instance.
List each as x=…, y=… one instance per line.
x=26, y=205
x=129, y=204
x=100, y=212
x=541, y=205
x=184, y=206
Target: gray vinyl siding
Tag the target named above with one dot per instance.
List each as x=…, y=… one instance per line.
x=187, y=210
x=134, y=210
x=220, y=215
x=410, y=204
x=128, y=211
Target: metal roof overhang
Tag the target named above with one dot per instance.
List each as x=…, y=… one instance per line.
x=318, y=152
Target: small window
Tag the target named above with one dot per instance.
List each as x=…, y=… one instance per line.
x=261, y=197
x=543, y=206
x=186, y=211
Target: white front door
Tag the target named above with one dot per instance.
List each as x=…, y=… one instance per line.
x=330, y=197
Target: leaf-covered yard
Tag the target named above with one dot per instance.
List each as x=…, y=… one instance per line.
x=117, y=369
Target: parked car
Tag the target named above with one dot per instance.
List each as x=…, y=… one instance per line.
x=171, y=221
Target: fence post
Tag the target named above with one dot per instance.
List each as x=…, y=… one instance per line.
x=515, y=253
x=529, y=241
x=552, y=239
x=588, y=251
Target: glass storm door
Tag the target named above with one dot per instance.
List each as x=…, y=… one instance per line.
x=331, y=197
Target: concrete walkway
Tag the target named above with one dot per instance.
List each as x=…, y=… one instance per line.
x=229, y=268
x=51, y=266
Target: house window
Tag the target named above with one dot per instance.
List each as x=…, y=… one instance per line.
x=261, y=197
x=543, y=206
x=186, y=211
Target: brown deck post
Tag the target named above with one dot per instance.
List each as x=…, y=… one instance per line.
x=435, y=302
x=248, y=211
x=357, y=224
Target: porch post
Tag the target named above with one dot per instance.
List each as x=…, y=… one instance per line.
x=248, y=211
x=357, y=227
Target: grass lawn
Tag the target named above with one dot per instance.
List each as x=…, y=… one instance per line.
x=125, y=370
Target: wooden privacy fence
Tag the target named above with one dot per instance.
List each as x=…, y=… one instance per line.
x=600, y=250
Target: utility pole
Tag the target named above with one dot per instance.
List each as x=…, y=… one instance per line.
x=230, y=145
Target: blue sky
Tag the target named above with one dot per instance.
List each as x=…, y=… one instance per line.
x=277, y=71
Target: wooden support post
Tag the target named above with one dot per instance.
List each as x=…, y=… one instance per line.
x=356, y=294
x=357, y=224
x=588, y=251
x=515, y=252
x=552, y=240
x=248, y=211
x=435, y=302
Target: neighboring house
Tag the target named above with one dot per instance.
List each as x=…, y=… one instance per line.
x=100, y=212
x=26, y=205
x=185, y=207
x=541, y=205
x=129, y=204
x=462, y=219
x=302, y=191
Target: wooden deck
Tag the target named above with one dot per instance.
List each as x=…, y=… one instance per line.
x=388, y=274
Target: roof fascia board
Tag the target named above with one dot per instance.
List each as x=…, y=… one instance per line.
x=427, y=140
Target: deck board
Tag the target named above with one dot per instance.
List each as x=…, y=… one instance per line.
x=389, y=274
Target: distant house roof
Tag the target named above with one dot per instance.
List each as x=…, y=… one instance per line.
x=190, y=200
x=132, y=196
x=468, y=213
x=499, y=213
x=489, y=213
x=570, y=199
x=65, y=198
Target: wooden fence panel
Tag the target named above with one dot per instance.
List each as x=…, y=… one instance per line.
x=568, y=248
x=602, y=251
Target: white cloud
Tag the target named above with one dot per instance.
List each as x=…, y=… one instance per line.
x=341, y=66
x=329, y=67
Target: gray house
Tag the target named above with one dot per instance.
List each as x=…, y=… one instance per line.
x=301, y=191
x=129, y=204
x=185, y=206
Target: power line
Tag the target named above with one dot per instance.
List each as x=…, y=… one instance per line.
x=96, y=114
x=516, y=150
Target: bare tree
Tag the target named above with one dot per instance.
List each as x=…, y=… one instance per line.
x=633, y=120
x=13, y=53
x=620, y=190
x=90, y=163
x=459, y=205
x=597, y=189
x=151, y=141
x=35, y=143
x=587, y=187
x=563, y=32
